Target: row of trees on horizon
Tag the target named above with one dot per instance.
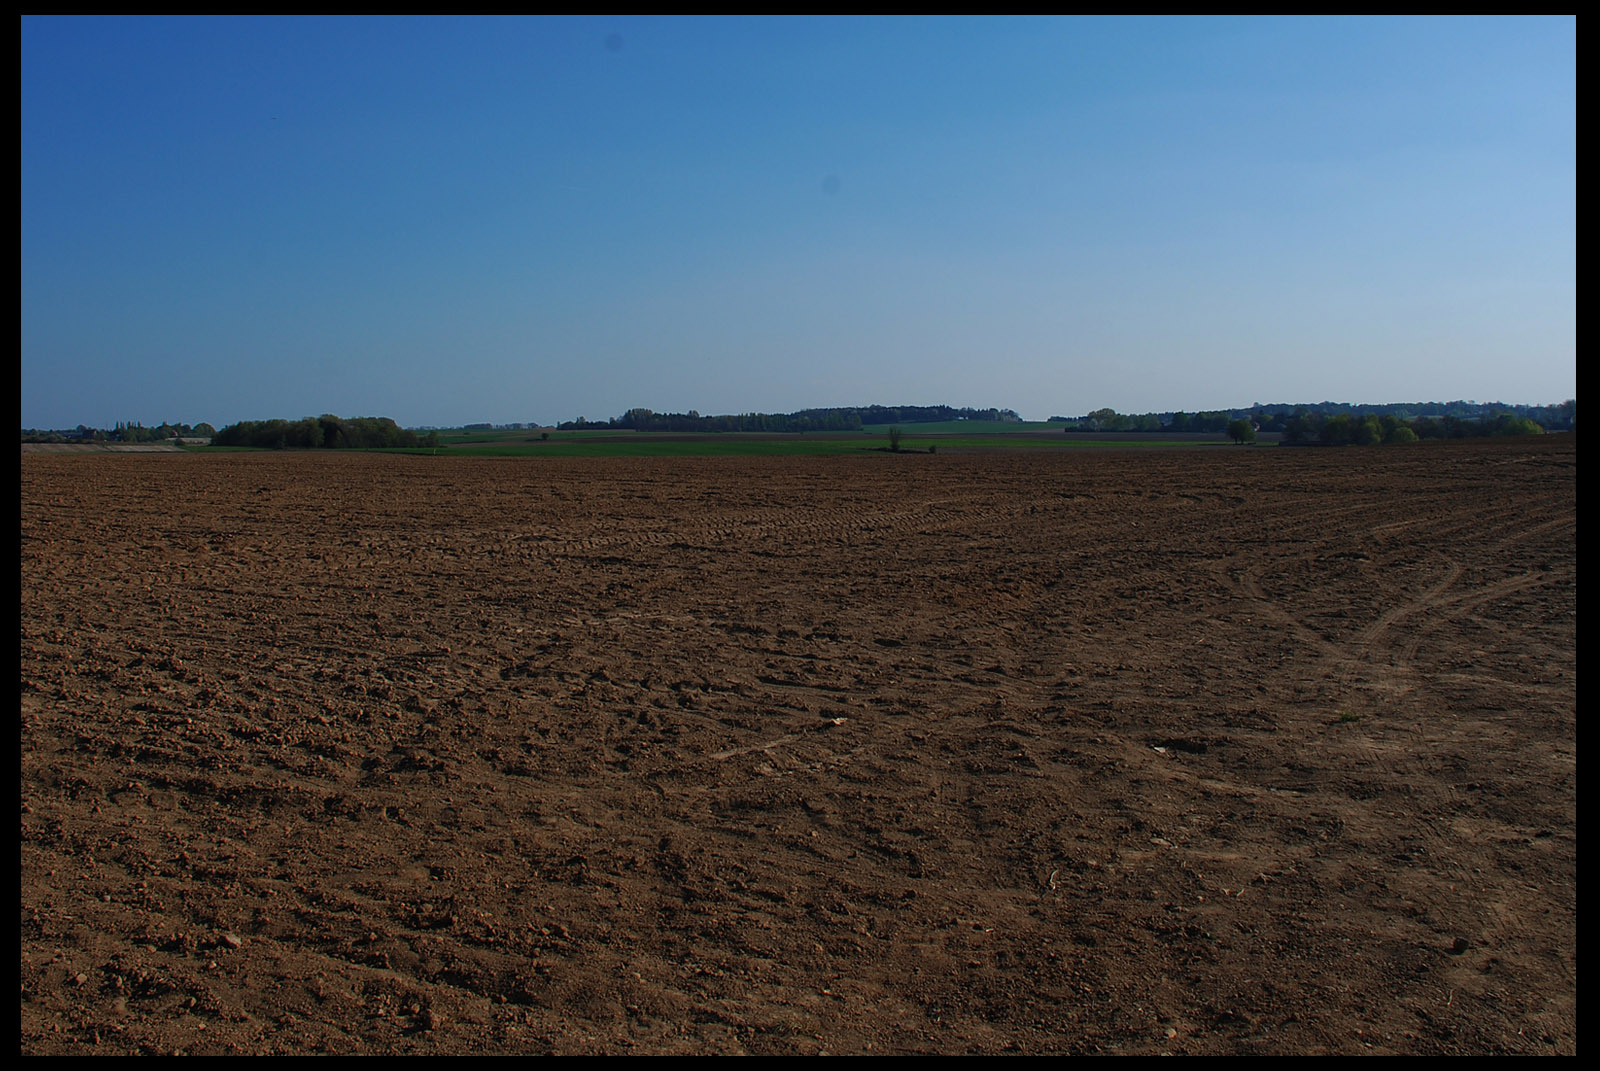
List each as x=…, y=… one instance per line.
x=1456, y=419
x=1321, y=422
x=1303, y=422
x=850, y=418
x=121, y=433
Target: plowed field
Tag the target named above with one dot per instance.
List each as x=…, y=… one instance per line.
x=1196, y=750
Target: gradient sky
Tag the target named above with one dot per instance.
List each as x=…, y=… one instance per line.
x=458, y=220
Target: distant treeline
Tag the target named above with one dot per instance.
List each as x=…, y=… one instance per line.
x=1335, y=421
x=1111, y=420
x=326, y=432
x=851, y=418
x=121, y=433
x=1320, y=422
x=1367, y=429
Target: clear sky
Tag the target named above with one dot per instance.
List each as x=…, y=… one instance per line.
x=459, y=220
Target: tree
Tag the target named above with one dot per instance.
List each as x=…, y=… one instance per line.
x=1242, y=431
x=1508, y=424
x=894, y=439
x=1337, y=430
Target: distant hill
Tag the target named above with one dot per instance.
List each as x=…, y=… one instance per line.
x=1458, y=416
x=848, y=418
x=1275, y=417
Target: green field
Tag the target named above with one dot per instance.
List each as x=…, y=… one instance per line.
x=953, y=436
x=660, y=446
x=966, y=427
x=918, y=439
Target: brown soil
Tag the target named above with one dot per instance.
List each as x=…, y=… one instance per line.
x=1210, y=750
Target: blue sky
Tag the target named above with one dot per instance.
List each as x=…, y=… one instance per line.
x=456, y=220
